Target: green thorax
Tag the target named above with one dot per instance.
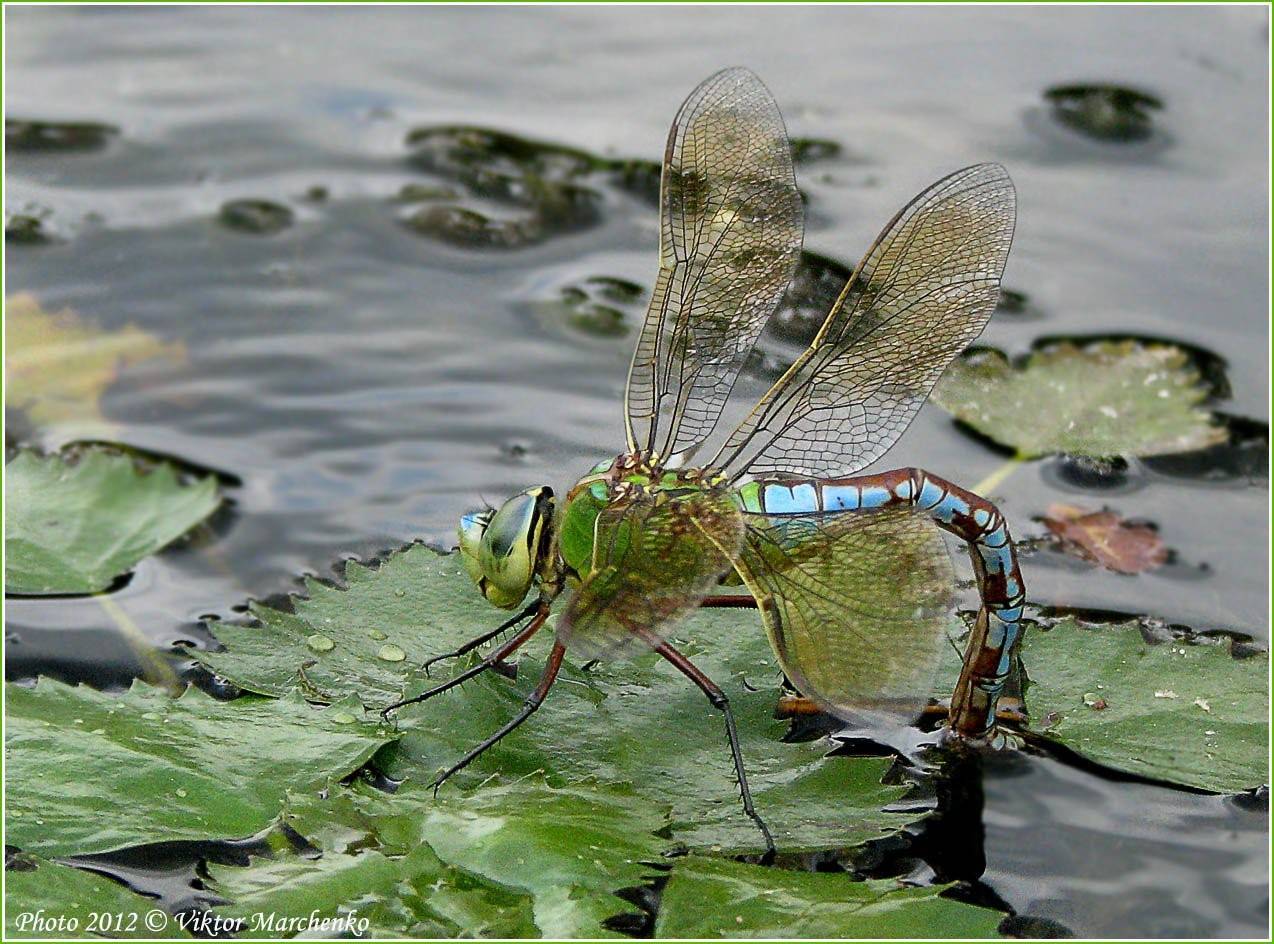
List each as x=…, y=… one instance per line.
x=616, y=480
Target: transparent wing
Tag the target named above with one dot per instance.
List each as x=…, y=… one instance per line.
x=922, y=293
x=653, y=560
x=730, y=235
x=856, y=605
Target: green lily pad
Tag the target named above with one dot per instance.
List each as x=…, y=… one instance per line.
x=517, y=860
x=344, y=876
x=1108, y=398
x=654, y=733
x=83, y=905
x=1174, y=711
x=77, y=521
x=415, y=896
x=639, y=722
x=711, y=898
x=418, y=601
x=57, y=365
x=88, y=771
x=1181, y=711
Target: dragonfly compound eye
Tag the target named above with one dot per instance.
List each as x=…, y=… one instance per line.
x=472, y=527
x=512, y=546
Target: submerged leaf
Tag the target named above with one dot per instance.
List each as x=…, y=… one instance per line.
x=638, y=722
x=38, y=893
x=57, y=366
x=77, y=521
x=505, y=861
x=1104, y=399
x=1107, y=539
x=88, y=771
x=710, y=898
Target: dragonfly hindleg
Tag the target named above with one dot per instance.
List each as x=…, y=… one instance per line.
x=722, y=704
x=739, y=600
x=533, y=702
x=489, y=661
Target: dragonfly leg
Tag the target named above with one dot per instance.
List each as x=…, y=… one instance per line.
x=740, y=600
x=792, y=706
x=718, y=700
x=477, y=641
x=533, y=702
x=499, y=655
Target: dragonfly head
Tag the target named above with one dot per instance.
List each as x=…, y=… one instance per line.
x=503, y=549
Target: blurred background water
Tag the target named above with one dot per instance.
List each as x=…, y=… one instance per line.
x=359, y=383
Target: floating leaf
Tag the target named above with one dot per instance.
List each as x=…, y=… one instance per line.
x=22, y=135
x=1106, y=693
x=638, y=722
x=1222, y=748
x=710, y=898
x=599, y=306
x=538, y=189
x=28, y=229
x=505, y=861
x=1107, y=539
x=1104, y=112
x=507, y=191
x=1103, y=399
x=90, y=772
x=73, y=903
x=259, y=217
x=347, y=870
x=809, y=150
x=77, y=521
x=57, y=366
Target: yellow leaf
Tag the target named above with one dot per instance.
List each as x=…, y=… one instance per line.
x=57, y=366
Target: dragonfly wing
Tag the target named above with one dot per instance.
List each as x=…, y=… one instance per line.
x=730, y=235
x=653, y=560
x=921, y=294
x=856, y=605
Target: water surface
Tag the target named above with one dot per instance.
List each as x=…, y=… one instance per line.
x=359, y=385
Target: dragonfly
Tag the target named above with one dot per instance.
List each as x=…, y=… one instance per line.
x=780, y=510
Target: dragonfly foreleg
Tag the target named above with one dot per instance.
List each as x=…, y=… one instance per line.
x=489, y=661
x=533, y=702
x=477, y=641
x=719, y=701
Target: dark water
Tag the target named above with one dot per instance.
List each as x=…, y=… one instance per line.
x=359, y=384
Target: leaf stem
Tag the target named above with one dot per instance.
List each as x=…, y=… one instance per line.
x=155, y=669
x=997, y=477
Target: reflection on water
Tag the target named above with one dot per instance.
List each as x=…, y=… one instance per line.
x=362, y=365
